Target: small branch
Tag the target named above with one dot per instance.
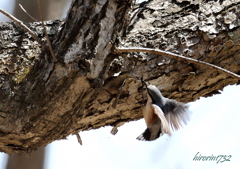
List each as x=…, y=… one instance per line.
x=114, y=130
x=79, y=138
x=21, y=24
x=45, y=31
x=27, y=12
x=176, y=56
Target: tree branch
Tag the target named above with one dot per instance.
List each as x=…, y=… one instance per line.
x=27, y=13
x=45, y=32
x=180, y=57
x=20, y=23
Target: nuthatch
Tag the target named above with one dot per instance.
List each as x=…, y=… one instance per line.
x=160, y=113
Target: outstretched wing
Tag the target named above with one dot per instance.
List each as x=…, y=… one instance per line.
x=156, y=122
x=164, y=123
x=176, y=113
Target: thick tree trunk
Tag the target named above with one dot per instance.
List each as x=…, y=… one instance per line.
x=36, y=161
x=42, y=101
x=51, y=11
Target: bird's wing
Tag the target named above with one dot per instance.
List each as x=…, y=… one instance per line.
x=156, y=123
x=145, y=136
x=164, y=123
x=176, y=113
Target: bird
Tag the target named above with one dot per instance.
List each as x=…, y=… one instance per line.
x=161, y=114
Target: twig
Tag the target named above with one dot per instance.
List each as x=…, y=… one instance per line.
x=27, y=12
x=79, y=138
x=114, y=130
x=45, y=31
x=176, y=56
x=21, y=24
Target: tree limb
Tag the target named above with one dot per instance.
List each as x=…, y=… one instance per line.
x=20, y=23
x=180, y=57
x=45, y=32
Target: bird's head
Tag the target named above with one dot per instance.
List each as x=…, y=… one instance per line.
x=154, y=94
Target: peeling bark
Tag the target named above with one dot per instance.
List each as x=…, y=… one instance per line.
x=205, y=31
x=42, y=101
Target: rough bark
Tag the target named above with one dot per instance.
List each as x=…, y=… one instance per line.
x=42, y=101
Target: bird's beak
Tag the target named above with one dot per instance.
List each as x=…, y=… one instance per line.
x=144, y=83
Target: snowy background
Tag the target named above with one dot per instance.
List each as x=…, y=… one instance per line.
x=212, y=130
